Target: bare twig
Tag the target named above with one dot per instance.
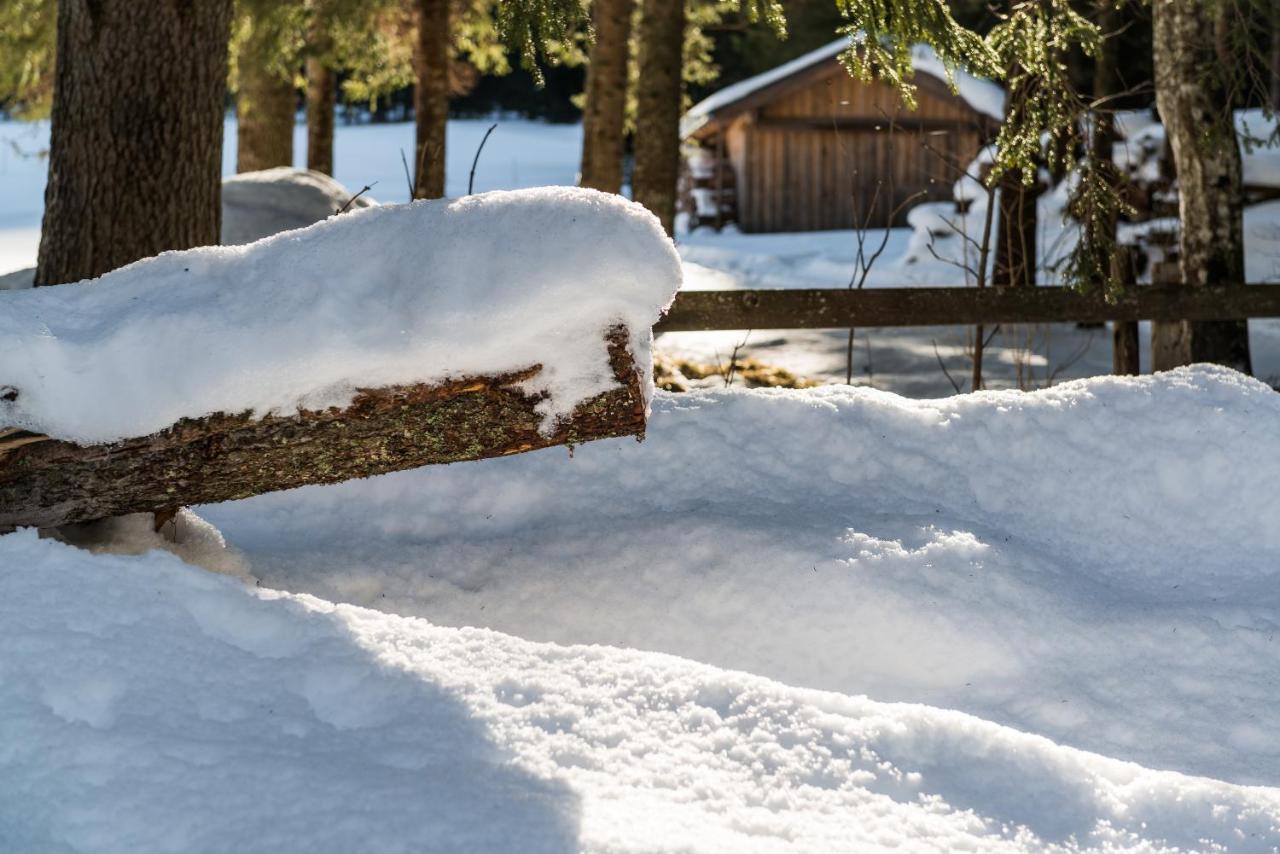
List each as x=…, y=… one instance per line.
x=941, y=364
x=363, y=190
x=479, y=148
x=733, y=360
x=407, y=177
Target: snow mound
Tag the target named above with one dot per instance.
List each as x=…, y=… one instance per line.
x=1098, y=563
x=381, y=296
x=147, y=706
x=259, y=204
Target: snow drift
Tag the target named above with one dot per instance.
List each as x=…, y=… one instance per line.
x=382, y=296
x=1098, y=563
x=146, y=706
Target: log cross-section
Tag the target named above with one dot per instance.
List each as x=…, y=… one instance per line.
x=223, y=457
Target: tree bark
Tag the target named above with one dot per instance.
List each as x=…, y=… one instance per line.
x=322, y=95
x=604, y=118
x=135, y=155
x=431, y=97
x=1196, y=110
x=657, y=167
x=265, y=107
x=225, y=457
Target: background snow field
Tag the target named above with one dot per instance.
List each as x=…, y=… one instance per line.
x=392, y=294
x=147, y=705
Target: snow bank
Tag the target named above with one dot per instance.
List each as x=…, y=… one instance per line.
x=147, y=706
x=1098, y=563
x=381, y=296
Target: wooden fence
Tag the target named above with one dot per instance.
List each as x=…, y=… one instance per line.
x=839, y=308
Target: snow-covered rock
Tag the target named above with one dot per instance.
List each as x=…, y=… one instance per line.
x=376, y=297
x=259, y=204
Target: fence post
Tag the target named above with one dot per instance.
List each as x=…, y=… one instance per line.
x=1124, y=333
x=1170, y=339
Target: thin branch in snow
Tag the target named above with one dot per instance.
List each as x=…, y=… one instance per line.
x=471, y=182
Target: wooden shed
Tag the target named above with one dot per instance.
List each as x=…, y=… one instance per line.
x=807, y=147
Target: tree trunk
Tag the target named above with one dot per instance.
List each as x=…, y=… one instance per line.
x=265, y=107
x=604, y=119
x=1196, y=111
x=1101, y=230
x=1015, y=261
x=225, y=457
x=135, y=155
x=657, y=168
x=431, y=97
x=322, y=93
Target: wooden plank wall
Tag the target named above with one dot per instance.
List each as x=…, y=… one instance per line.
x=811, y=159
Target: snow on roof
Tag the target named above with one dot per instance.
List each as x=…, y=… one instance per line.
x=983, y=95
x=377, y=297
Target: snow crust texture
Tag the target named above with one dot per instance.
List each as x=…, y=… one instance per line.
x=148, y=706
x=381, y=296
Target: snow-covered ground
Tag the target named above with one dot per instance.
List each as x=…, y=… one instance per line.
x=1080, y=584
x=148, y=706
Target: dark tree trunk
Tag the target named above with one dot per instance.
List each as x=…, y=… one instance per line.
x=322, y=93
x=604, y=118
x=1101, y=230
x=265, y=107
x=224, y=457
x=658, y=108
x=135, y=155
x=431, y=97
x=1196, y=111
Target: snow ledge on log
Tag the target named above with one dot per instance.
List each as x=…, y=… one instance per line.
x=384, y=296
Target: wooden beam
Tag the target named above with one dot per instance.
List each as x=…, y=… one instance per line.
x=44, y=482
x=841, y=308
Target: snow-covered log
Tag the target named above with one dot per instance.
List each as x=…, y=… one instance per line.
x=45, y=482
x=380, y=340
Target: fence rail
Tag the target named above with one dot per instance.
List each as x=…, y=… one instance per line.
x=836, y=308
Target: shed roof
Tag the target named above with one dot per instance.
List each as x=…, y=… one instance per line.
x=981, y=94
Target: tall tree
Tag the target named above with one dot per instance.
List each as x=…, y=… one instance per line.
x=604, y=114
x=431, y=96
x=1194, y=93
x=658, y=103
x=135, y=154
x=265, y=99
x=1100, y=228
x=322, y=96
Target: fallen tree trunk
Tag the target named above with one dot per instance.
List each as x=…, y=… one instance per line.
x=46, y=482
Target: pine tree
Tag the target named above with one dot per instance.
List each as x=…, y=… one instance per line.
x=431, y=96
x=322, y=96
x=136, y=142
x=266, y=52
x=1194, y=89
x=658, y=103
x=604, y=112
